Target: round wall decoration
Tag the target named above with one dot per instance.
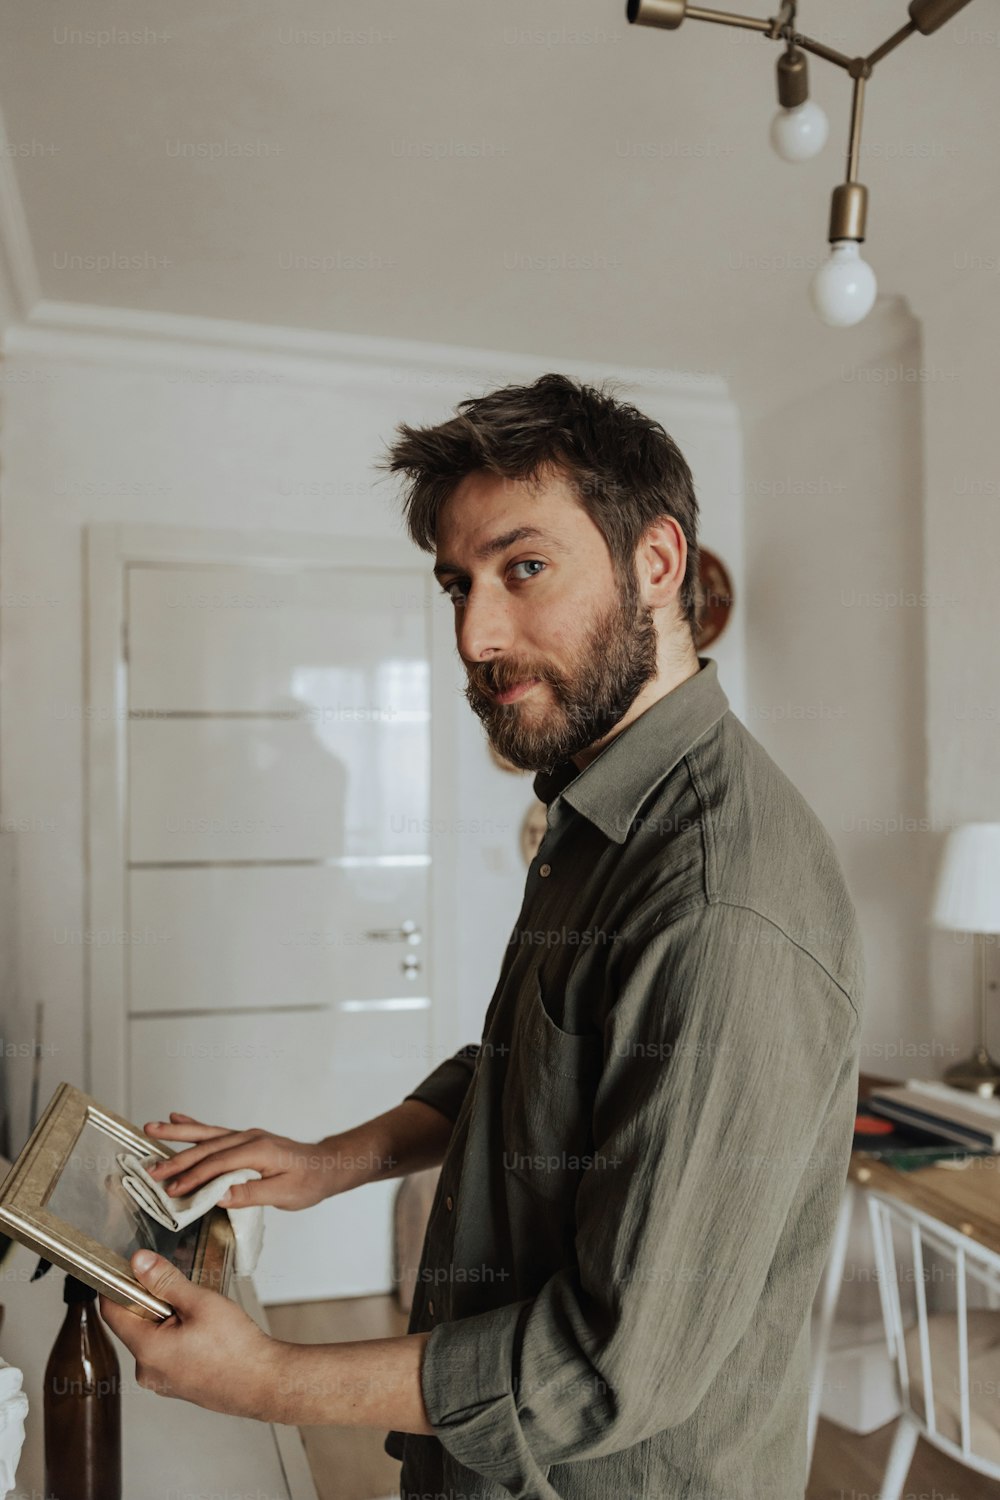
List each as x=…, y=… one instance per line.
x=715, y=598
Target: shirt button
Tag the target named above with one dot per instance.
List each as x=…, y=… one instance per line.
x=545, y=870
x=449, y=1203
x=430, y=1308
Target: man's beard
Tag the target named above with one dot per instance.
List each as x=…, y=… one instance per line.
x=612, y=666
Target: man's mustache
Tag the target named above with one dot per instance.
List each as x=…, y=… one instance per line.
x=501, y=677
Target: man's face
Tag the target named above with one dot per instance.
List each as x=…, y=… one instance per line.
x=556, y=646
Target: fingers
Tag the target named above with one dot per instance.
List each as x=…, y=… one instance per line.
x=161, y=1277
x=171, y=1167
x=243, y=1152
x=180, y=1128
x=124, y=1324
x=247, y=1194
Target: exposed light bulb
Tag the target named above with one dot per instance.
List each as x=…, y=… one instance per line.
x=843, y=289
x=799, y=133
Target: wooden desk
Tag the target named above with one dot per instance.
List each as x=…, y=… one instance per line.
x=965, y=1198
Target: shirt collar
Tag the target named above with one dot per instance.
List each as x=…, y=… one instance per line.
x=611, y=789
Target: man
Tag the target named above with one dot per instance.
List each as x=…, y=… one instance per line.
x=642, y=1159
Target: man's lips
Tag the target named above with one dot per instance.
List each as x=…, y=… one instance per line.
x=518, y=691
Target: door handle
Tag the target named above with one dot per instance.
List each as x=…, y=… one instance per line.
x=408, y=932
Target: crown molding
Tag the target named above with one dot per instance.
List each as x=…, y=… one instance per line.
x=133, y=338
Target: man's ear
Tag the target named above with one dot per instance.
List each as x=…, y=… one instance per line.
x=661, y=562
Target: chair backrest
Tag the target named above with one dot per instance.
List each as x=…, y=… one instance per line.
x=905, y=1237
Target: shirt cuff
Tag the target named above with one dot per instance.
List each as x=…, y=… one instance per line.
x=393, y=1444
x=446, y=1087
x=468, y=1376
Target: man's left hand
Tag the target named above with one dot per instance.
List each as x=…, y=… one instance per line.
x=208, y=1351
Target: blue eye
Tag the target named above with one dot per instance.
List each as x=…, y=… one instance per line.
x=530, y=562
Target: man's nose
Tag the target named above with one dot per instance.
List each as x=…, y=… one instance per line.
x=483, y=627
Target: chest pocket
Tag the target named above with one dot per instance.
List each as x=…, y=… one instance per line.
x=548, y=1097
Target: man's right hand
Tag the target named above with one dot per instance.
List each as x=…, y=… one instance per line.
x=293, y=1174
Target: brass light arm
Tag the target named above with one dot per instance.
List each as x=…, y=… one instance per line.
x=849, y=204
x=668, y=14
x=821, y=50
x=727, y=18
x=893, y=41
x=857, y=111
x=926, y=16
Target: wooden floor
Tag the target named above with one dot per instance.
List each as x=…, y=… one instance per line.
x=848, y=1467
x=350, y=1464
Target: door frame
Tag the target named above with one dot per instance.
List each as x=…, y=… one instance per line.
x=111, y=548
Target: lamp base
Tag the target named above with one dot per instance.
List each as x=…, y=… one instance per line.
x=980, y=1074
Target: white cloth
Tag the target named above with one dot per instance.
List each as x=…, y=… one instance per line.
x=13, y=1410
x=177, y=1213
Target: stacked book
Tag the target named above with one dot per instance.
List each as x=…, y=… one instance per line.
x=938, y=1112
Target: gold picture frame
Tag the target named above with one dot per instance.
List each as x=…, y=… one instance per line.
x=63, y=1199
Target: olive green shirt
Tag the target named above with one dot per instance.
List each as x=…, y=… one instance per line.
x=651, y=1139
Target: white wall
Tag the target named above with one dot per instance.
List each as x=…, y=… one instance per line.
x=873, y=545
x=836, y=617
x=961, y=332
x=873, y=542
x=164, y=430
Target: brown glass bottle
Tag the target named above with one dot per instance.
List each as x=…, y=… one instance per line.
x=82, y=1403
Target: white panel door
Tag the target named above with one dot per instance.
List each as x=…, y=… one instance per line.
x=278, y=861
x=253, y=935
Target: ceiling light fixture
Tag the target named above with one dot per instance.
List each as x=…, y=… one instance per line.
x=843, y=289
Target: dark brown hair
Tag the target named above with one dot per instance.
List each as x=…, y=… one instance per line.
x=625, y=469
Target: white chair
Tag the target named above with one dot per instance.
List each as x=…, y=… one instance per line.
x=947, y=1362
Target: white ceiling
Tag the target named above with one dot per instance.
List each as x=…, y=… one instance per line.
x=541, y=178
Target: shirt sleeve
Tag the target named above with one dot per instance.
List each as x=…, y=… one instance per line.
x=446, y=1087
x=724, y=1044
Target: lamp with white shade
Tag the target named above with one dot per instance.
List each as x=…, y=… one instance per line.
x=967, y=899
